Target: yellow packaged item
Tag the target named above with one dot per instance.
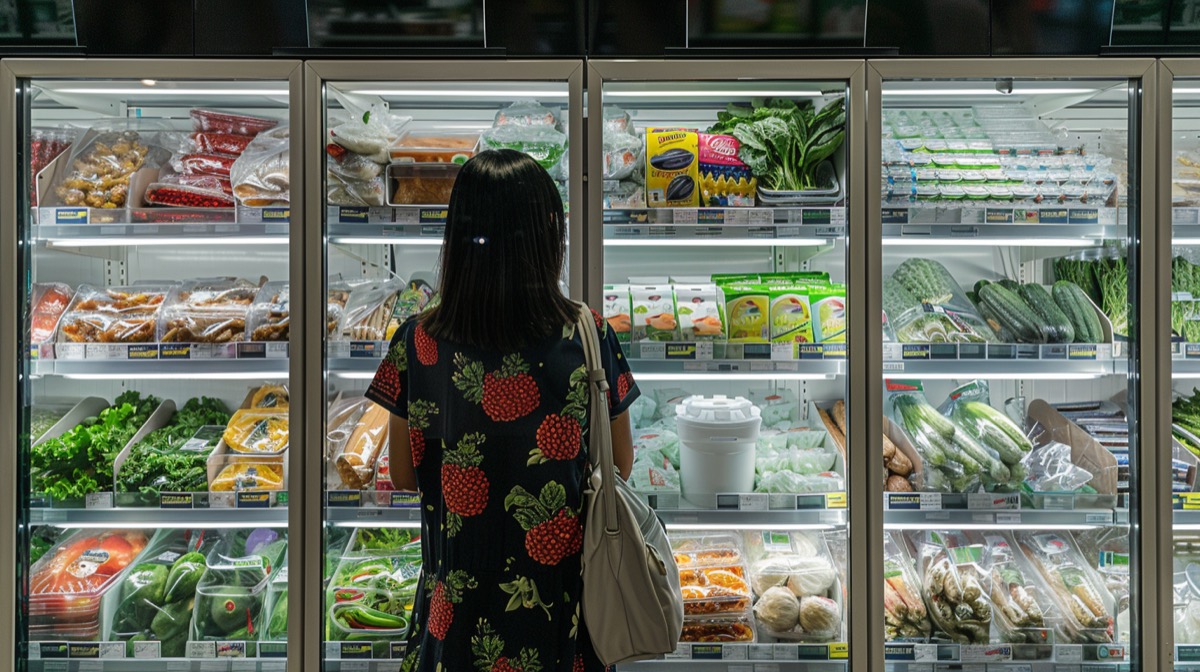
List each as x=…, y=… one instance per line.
x=791, y=315
x=247, y=476
x=747, y=310
x=257, y=432
x=672, y=169
x=270, y=396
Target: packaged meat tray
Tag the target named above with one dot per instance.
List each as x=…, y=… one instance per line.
x=1080, y=597
x=215, y=121
x=270, y=315
x=229, y=144
x=100, y=167
x=202, y=193
x=421, y=183
x=208, y=310
x=434, y=147
x=67, y=584
x=50, y=301
x=115, y=315
x=197, y=163
x=261, y=176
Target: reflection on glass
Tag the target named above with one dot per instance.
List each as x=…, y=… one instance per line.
x=362, y=23
x=37, y=22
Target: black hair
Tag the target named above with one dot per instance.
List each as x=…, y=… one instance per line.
x=502, y=256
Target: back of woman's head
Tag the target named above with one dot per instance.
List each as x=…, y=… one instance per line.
x=502, y=256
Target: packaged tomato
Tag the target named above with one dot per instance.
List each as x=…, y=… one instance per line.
x=215, y=121
x=68, y=583
x=184, y=196
x=50, y=301
x=230, y=144
x=203, y=164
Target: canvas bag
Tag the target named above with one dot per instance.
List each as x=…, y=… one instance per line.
x=632, y=602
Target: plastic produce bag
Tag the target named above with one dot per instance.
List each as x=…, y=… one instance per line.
x=1051, y=470
x=794, y=578
x=948, y=467
x=790, y=482
x=616, y=120
x=969, y=408
x=205, y=192
x=261, y=175
x=231, y=594
x=365, y=134
x=543, y=143
x=216, y=121
x=256, y=431
x=954, y=573
x=658, y=444
x=526, y=113
x=904, y=612
x=1080, y=597
x=1021, y=606
x=623, y=155
x=157, y=595
x=652, y=472
x=247, y=475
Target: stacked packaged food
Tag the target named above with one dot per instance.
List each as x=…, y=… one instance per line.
x=716, y=592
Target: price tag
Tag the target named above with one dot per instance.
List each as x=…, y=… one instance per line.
x=685, y=216
x=201, y=649
x=247, y=665
x=99, y=500
x=766, y=667
x=1008, y=518
x=736, y=217
x=147, y=649
x=112, y=649
x=760, y=652
x=785, y=652
x=1017, y=667
x=760, y=217
x=992, y=501
x=653, y=350
x=740, y=668
x=735, y=652
x=684, y=650
x=388, y=665
x=973, y=653
x=754, y=502
x=273, y=666
x=1068, y=653
x=55, y=666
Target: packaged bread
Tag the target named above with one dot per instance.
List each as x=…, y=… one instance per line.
x=356, y=462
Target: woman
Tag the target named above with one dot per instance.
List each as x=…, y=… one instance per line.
x=490, y=411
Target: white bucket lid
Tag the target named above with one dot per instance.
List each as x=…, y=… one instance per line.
x=717, y=410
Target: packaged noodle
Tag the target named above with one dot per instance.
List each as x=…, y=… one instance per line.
x=356, y=461
x=114, y=315
x=208, y=310
x=257, y=431
x=261, y=175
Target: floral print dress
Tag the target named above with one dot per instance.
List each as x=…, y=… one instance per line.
x=499, y=442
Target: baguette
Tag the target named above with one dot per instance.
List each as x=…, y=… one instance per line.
x=839, y=439
x=897, y=484
x=362, y=449
x=900, y=464
x=839, y=415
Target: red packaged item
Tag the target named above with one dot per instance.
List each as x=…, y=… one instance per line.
x=67, y=584
x=204, y=181
x=44, y=146
x=213, y=121
x=184, y=196
x=221, y=143
x=50, y=301
x=205, y=164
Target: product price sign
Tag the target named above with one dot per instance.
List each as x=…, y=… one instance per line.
x=1187, y=653
x=344, y=498
x=993, y=501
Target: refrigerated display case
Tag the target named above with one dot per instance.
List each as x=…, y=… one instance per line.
x=1009, y=200
x=385, y=143
x=147, y=205
x=721, y=196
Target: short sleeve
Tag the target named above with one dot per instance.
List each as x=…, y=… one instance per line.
x=390, y=385
x=622, y=389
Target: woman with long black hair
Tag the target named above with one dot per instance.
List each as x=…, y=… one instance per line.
x=490, y=413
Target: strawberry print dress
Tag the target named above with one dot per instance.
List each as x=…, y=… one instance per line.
x=499, y=443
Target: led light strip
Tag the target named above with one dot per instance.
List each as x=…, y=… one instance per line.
x=958, y=525
x=465, y=93
x=715, y=93
x=717, y=242
x=132, y=373
x=734, y=375
x=951, y=92
x=384, y=240
x=132, y=241
x=782, y=527
x=991, y=242
x=1001, y=375
x=181, y=524
x=155, y=91
x=391, y=524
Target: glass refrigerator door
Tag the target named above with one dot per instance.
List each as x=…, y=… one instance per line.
x=392, y=151
x=1008, y=253
x=724, y=241
x=153, y=438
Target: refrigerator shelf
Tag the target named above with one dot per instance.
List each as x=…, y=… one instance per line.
x=1003, y=360
x=90, y=227
x=729, y=217
x=992, y=234
x=949, y=212
x=152, y=368
x=247, y=512
x=1091, y=655
x=412, y=225
x=722, y=235
x=1000, y=520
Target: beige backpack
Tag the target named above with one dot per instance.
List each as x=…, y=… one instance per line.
x=632, y=603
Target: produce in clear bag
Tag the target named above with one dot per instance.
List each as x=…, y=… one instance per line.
x=270, y=396
x=623, y=155
x=542, y=143
x=248, y=476
x=1080, y=597
x=231, y=594
x=67, y=584
x=969, y=408
x=114, y=315
x=101, y=166
x=207, y=310
x=1022, y=609
x=790, y=482
x=954, y=573
x=617, y=120
x=948, y=466
x=925, y=304
x=904, y=613
x=371, y=597
x=526, y=113
x=794, y=580
x=261, y=175
x=190, y=191
x=652, y=472
x=1051, y=470
x=157, y=595
x=356, y=461
x=357, y=153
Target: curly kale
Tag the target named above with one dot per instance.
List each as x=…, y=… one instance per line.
x=157, y=463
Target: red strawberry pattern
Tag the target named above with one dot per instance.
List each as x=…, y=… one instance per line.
x=552, y=531
x=427, y=348
x=520, y=519
x=418, y=421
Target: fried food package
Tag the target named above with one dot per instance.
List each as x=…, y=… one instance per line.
x=261, y=175
x=905, y=616
x=114, y=315
x=105, y=159
x=367, y=441
x=208, y=310
x=50, y=301
x=369, y=311
x=270, y=314
x=716, y=591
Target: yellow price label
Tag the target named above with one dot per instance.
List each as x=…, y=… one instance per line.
x=835, y=500
x=839, y=651
x=1191, y=500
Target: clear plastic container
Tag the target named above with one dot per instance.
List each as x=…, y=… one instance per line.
x=67, y=584
x=209, y=310
x=732, y=629
x=155, y=598
x=421, y=183
x=435, y=147
x=49, y=301
x=230, y=597
x=113, y=315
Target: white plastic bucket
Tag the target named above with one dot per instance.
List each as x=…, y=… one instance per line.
x=717, y=437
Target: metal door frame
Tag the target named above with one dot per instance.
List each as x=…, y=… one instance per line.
x=316, y=74
x=11, y=72
x=865, y=522
x=1151, y=571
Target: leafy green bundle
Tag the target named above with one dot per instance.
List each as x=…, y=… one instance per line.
x=80, y=462
x=156, y=464
x=1106, y=282
x=1185, y=315
x=1185, y=413
x=782, y=142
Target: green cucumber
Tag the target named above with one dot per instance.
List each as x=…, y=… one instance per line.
x=1054, y=322
x=1071, y=298
x=1013, y=313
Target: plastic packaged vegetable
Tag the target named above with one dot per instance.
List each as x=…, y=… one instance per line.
x=261, y=175
x=526, y=113
x=1051, y=470
x=623, y=154
x=954, y=573
x=1085, y=604
x=247, y=475
x=157, y=595
x=231, y=594
x=215, y=121
x=1022, y=609
x=904, y=611
x=543, y=143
